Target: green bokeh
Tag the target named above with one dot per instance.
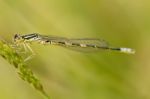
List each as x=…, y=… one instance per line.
x=68, y=74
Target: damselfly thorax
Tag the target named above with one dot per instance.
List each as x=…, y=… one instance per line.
x=80, y=44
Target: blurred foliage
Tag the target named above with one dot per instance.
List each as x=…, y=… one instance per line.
x=67, y=74
x=10, y=54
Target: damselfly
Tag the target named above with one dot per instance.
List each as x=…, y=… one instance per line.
x=81, y=44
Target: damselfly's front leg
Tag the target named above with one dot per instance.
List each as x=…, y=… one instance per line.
x=27, y=48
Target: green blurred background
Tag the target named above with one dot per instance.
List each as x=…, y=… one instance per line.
x=67, y=74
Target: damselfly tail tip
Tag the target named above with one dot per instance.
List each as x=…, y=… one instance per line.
x=127, y=50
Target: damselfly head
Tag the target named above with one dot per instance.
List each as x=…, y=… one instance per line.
x=17, y=38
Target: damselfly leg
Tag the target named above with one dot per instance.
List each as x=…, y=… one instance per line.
x=23, y=47
x=28, y=49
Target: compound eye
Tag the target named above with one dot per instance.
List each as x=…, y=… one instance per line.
x=16, y=36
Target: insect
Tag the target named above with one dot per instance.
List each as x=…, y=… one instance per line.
x=81, y=44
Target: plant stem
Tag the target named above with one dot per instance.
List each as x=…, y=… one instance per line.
x=10, y=54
